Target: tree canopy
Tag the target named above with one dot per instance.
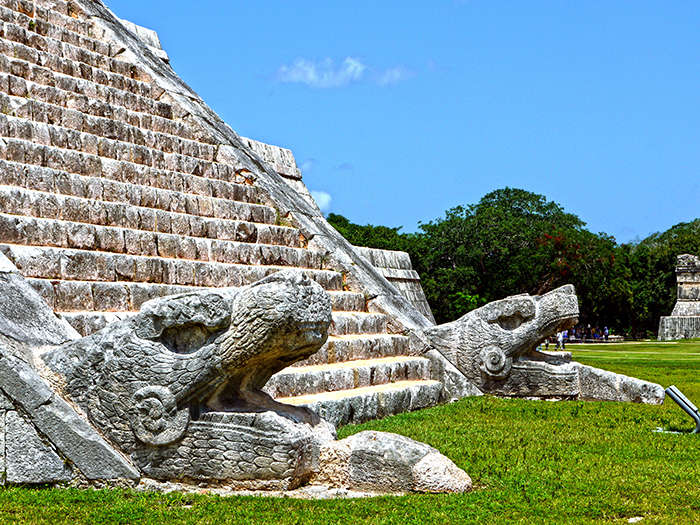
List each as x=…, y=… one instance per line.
x=515, y=241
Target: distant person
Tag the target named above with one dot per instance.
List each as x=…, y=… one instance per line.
x=606, y=333
x=560, y=341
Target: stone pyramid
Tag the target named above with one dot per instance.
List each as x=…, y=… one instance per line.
x=119, y=185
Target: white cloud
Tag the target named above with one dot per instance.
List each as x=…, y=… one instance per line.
x=307, y=166
x=323, y=74
x=323, y=199
x=394, y=75
x=345, y=166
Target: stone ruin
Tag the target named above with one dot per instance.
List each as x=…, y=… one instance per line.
x=175, y=306
x=684, y=321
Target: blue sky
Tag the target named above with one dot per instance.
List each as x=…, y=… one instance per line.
x=400, y=110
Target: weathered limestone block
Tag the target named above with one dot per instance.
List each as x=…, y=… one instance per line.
x=397, y=269
x=347, y=302
x=281, y=160
x=24, y=316
x=384, y=462
x=349, y=348
x=494, y=347
x=74, y=296
x=359, y=323
x=64, y=429
x=679, y=327
x=296, y=381
x=84, y=265
x=28, y=458
x=374, y=402
x=599, y=385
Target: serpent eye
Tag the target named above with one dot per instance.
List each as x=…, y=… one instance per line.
x=511, y=322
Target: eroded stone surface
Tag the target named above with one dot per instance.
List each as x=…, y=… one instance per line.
x=24, y=316
x=684, y=321
x=364, y=404
x=437, y=473
x=65, y=429
x=385, y=462
x=601, y=385
x=29, y=459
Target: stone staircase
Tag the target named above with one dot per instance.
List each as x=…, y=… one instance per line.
x=361, y=373
x=112, y=194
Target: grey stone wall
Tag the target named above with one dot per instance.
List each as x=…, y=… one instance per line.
x=396, y=268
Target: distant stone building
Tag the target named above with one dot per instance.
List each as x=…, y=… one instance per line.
x=684, y=321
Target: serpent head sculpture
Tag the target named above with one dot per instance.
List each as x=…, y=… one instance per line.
x=495, y=348
x=179, y=385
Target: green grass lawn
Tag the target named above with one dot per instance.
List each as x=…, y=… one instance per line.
x=531, y=462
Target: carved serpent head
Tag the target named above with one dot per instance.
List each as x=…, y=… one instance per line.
x=146, y=378
x=485, y=343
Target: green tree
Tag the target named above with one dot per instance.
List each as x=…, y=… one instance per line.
x=381, y=237
x=514, y=241
x=652, y=265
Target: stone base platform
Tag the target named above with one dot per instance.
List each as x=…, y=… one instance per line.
x=357, y=405
x=676, y=327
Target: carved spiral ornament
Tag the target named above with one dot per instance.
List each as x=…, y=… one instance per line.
x=495, y=362
x=155, y=418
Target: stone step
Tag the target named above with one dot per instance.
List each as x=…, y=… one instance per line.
x=100, y=214
x=51, y=117
x=105, y=122
x=60, y=14
x=52, y=19
x=75, y=144
x=146, y=193
x=66, y=94
x=70, y=64
x=118, y=300
x=28, y=65
x=363, y=404
x=60, y=100
x=35, y=40
x=97, y=177
x=344, y=348
x=74, y=128
x=28, y=231
x=235, y=222
x=88, y=297
x=81, y=265
x=307, y=380
x=349, y=302
x=347, y=323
